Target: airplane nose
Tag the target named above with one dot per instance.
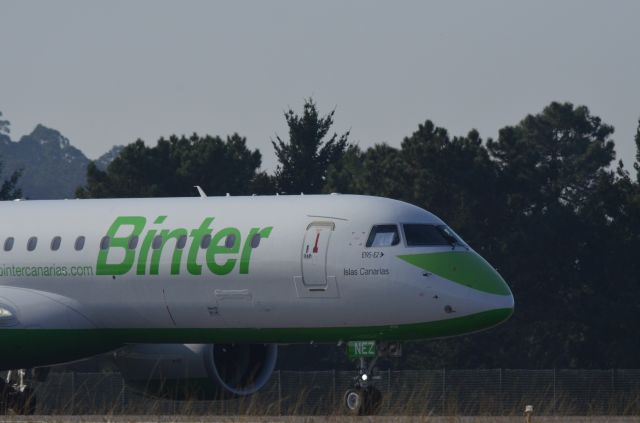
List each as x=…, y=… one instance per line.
x=469, y=269
x=464, y=267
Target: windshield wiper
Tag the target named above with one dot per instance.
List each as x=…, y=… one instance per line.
x=451, y=240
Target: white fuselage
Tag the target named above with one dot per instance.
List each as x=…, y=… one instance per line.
x=310, y=267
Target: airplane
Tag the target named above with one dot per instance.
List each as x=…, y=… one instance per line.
x=191, y=296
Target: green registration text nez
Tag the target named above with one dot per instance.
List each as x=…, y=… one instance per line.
x=361, y=349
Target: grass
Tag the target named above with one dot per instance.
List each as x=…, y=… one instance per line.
x=317, y=396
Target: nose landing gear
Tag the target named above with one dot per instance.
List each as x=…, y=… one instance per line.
x=16, y=395
x=364, y=398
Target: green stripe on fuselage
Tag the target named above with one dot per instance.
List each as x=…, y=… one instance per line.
x=33, y=347
x=463, y=267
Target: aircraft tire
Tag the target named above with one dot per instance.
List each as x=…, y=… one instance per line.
x=363, y=401
x=353, y=401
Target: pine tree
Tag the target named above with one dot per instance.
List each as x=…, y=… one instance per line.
x=306, y=157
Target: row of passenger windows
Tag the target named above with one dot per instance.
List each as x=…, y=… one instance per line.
x=32, y=243
x=132, y=242
x=416, y=235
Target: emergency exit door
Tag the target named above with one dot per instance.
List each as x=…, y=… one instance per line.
x=314, y=253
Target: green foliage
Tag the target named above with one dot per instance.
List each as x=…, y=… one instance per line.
x=553, y=158
x=454, y=178
x=636, y=165
x=554, y=170
x=4, y=125
x=377, y=171
x=9, y=188
x=175, y=165
x=305, y=158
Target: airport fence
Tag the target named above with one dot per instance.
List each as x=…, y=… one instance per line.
x=405, y=392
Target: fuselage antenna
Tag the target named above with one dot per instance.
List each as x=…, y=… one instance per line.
x=200, y=191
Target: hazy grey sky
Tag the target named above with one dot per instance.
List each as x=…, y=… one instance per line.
x=106, y=73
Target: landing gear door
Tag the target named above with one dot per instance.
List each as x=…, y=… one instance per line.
x=314, y=253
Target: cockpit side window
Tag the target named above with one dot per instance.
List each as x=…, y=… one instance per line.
x=421, y=235
x=383, y=236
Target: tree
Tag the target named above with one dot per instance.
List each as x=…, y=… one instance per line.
x=9, y=189
x=175, y=165
x=554, y=172
x=553, y=157
x=455, y=178
x=380, y=171
x=305, y=158
x=4, y=125
x=636, y=165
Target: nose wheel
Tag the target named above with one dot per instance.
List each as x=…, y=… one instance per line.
x=353, y=400
x=363, y=401
x=363, y=398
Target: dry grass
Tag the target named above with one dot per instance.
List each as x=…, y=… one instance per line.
x=105, y=399
x=318, y=419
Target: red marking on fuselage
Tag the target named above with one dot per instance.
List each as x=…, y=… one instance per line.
x=315, y=247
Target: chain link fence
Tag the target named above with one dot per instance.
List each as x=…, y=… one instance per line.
x=405, y=392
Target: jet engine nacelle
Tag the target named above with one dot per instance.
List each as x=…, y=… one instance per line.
x=197, y=371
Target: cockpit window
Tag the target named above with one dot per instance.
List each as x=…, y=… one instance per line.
x=383, y=236
x=419, y=235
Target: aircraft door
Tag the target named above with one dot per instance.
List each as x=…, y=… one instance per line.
x=314, y=253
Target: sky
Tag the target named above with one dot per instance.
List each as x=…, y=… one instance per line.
x=109, y=72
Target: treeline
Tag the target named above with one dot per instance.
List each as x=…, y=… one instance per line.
x=545, y=202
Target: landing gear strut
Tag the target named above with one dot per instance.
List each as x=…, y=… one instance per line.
x=364, y=398
x=16, y=394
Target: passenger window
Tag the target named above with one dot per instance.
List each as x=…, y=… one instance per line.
x=383, y=236
x=133, y=242
x=79, y=245
x=230, y=241
x=181, y=242
x=157, y=242
x=255, y=241
x=32, y=243
x=55, y=243
x=8, y=244
x=420, y=235
x=206, y=240
x=105, y=242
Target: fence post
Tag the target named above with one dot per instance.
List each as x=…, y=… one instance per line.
x=73, y=392
x=280, y=392
x=122, y=401
x=502, y=407
x=333, y=375
x=444, y=390
x=613, y=380
x=612, y=394
x=388, y=396
x=554, y=390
